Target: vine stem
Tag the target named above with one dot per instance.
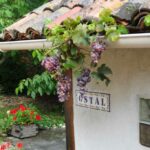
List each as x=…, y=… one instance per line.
x=57, y=46
x=87, y=52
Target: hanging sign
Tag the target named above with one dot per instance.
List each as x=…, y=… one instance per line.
x=93, y=100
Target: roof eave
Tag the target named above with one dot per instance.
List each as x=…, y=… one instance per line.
x=125, y=41
x=24, y=45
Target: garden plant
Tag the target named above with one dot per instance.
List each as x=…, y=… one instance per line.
x=23, y=116
x=10, y=146
x=72, y=41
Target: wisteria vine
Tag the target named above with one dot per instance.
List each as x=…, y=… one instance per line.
x=69, y=41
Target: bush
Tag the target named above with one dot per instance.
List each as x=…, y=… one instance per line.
x=38, y=85
x=21, y=116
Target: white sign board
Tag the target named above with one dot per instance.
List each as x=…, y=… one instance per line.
x=93, y=100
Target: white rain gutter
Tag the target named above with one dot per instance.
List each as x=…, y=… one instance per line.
x=125, y=41
x=131, y=41
x=24, y=45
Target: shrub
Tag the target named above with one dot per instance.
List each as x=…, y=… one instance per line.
x=20, y=116
x=38, y=85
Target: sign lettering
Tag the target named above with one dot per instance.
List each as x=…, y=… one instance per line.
x=93, y=100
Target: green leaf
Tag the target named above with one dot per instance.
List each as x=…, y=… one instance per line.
x=17, y=91
x=113, y=36
x=147, y=20
x=122, y=29
x=105, y=17
x=102, y=73
x=105, y=13
x=33, y=94
x=70, y=64
x=38, y=84
x=13, y=53
x=92, y=38
x=95, y=75
x=80, y=36
x=72, y=23
x=74, y=51
x=99, y=27
x=21, y=87
x=40, y=91
x=34, y=54
x=80, y=58
x=26, y=83
x=103, y=69
x=110, y=29
x=57, y=30
x=28, y=92
x=91, y=27
x=45, y=78
x=8, y=13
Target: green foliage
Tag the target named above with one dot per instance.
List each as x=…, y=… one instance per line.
x=108, y=25
x=12, y=10
x=105, y=17
x=38, y=85
x=102, y=73
x=5, y=124
x=56, y=120
x=21, y=115
x=71, y=37
x=10, y=75
x=122, y=29
x=52, y=121
x=48, y=119
x=147, y=20
x=38, y=56
x=16, y=65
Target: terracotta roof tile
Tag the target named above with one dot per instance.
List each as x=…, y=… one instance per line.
x=37, y=21
x=60, y=19
x=22, y=21
x=86, y=2
x=94, y=9
x=112, y=5
x=31, y=25
x=71, y=3
x=56, y=11
x=52, y=5
x=41, y=8
x=55, y=4
x=61, y=11
x=82, y=3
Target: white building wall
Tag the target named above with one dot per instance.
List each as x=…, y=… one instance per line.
x=119, y=128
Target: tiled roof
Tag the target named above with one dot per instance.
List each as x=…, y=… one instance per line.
x=31, y=25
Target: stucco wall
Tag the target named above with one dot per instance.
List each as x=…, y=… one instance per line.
x=118, y=129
